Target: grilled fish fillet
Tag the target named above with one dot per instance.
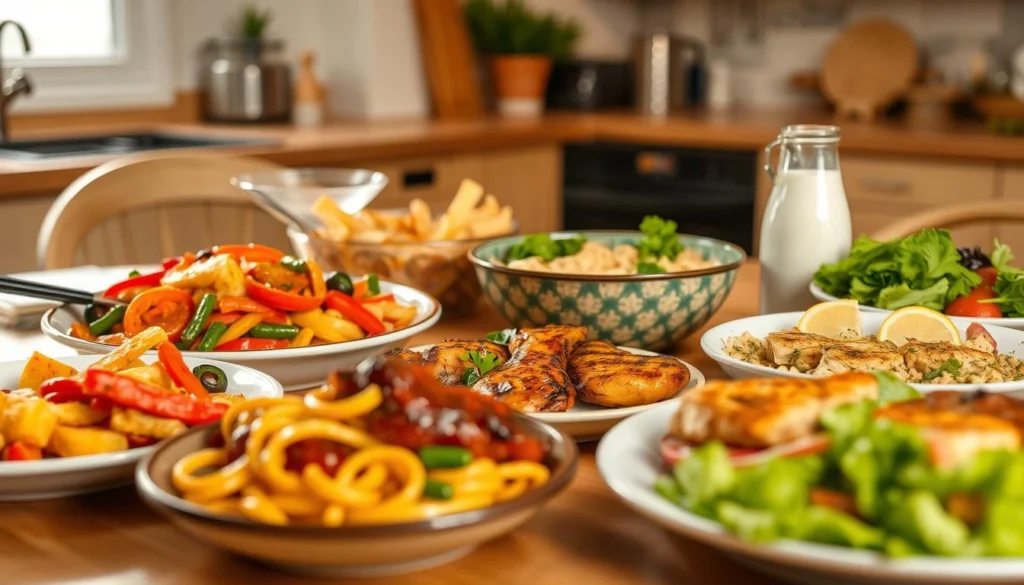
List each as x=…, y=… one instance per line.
x=608, y=376
x=763, y=412
x=926, y=357
x=446, y=359
x=955, y=430
x=534, y=378
x=845, y=357
x=792, y=348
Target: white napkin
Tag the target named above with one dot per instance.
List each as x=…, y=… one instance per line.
x=20, y=312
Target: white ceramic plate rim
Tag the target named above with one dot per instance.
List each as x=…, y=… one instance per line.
x=599, y=413
x=713, y=342
x=636, y=440
x=1013, y=322
x=57, y=465
x=425, y=320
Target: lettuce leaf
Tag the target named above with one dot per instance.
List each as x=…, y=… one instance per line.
x=705, y=475
x=1001, y=532
x=918, y=517
x=828, y=526
x=921, y=269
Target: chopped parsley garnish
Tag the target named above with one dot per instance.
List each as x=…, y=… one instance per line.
x=660, y=239
x=545, y=246
x=483, y=362
x=502, y=337
x=950, y=366
x=649, y=268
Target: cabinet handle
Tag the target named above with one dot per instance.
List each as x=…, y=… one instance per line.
x=421, y=178
x=887, y=185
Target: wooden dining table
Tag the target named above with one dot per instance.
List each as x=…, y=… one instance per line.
x=584, y=535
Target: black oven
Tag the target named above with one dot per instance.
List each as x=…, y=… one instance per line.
x=707, y=192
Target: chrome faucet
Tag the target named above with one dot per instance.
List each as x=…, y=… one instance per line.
x=16, y=83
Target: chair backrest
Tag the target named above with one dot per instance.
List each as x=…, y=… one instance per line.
x=953, y=216
x=141, y=209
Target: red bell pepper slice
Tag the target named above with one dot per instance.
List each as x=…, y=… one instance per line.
x=179, y=372
x=252, y=344
x=279, y=299
x=59, y=390
x=353, y=311
x=249, y=252
x=246, y=305
x=378, y=299
x=18, y=451
x=169, y=263
x=128, y=393
x=142, y=281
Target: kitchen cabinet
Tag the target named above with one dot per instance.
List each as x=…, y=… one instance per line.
x=527, y=179
x=1011, y=190
x=883, y=190
x=22, y=218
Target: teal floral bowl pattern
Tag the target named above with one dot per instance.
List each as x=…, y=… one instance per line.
x=647, y=311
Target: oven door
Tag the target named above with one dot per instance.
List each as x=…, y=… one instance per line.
x=727, y=215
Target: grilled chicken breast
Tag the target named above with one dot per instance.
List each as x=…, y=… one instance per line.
x=534, y=378
x=446, y=359
x=926, y=357
x=760, y=413
x=959, y=426
x=844, y=357
x=608, y=376
x=792, y=348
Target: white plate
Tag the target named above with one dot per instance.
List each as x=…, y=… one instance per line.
x=1008, y=341
x=298, y=368
x=587, y=422
x=1012, y=323
x=629, y=461
x=53, y=478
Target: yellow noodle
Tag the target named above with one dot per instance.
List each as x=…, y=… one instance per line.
x=334, y=516
x=347, y=408
x=255, y=505
x=271, y=469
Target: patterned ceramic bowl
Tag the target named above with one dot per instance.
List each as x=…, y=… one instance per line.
x=648, y=311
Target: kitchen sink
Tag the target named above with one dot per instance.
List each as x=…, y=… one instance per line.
x=112, y=145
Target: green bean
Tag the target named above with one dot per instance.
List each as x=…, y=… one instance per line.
x=294, y=264
x=445, y=457
x=213, y=335
x=105, y=323
x=274, y=331
x=201, y=316
x=211, y=377
x=94, y=311
x=438, y=490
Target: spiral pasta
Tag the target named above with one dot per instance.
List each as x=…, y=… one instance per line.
x=374, y=483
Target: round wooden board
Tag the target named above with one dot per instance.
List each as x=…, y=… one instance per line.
x=871, y=63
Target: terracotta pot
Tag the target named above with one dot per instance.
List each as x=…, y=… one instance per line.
x=520, y=82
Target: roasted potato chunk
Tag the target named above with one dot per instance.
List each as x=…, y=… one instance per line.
x=76, y=414
x=30, y=421
x=133, y=422
x=40, y=368
x=75, y=442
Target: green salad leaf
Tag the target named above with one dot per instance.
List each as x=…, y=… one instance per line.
x=545, y=246
x=828, y=526
x=705, y=475
x=1001, y=532
x=893, y=389
x=921, y=269
x=1009, y=286
x=918, y=517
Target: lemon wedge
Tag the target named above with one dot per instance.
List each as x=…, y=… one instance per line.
x=832, y=319
x=920, y=323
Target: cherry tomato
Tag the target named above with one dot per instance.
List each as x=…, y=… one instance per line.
x=988, y=275
x=970, y=307
x=982, y=292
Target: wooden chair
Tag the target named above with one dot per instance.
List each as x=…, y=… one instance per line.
x=141, y=209
x=953, y=216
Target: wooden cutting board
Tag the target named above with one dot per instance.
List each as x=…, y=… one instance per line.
x=870, y=65
x=448, y=59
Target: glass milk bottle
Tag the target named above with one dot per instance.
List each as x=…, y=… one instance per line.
x=807, y=219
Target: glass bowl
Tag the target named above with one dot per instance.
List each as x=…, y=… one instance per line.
x=289, y=194
x=440, y=268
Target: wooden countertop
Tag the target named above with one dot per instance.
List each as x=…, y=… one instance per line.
x=584, y=535
x=351, y=142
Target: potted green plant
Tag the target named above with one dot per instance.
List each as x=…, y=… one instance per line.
x=520, y=45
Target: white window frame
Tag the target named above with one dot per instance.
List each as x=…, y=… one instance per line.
x=139, y=75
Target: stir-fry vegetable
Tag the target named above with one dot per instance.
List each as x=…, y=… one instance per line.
x=245, y=297
x=213, y=378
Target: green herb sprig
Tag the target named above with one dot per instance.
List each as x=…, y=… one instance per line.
x=483, y=361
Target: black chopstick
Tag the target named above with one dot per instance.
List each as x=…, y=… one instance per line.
x=49, y=292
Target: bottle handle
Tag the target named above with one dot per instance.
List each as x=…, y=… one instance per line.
x=768, y=158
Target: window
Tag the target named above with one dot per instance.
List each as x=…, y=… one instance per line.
x=89, y=54
x=87, y=30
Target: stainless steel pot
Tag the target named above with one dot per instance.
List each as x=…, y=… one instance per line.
x=666, y=67
x=245, y=81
